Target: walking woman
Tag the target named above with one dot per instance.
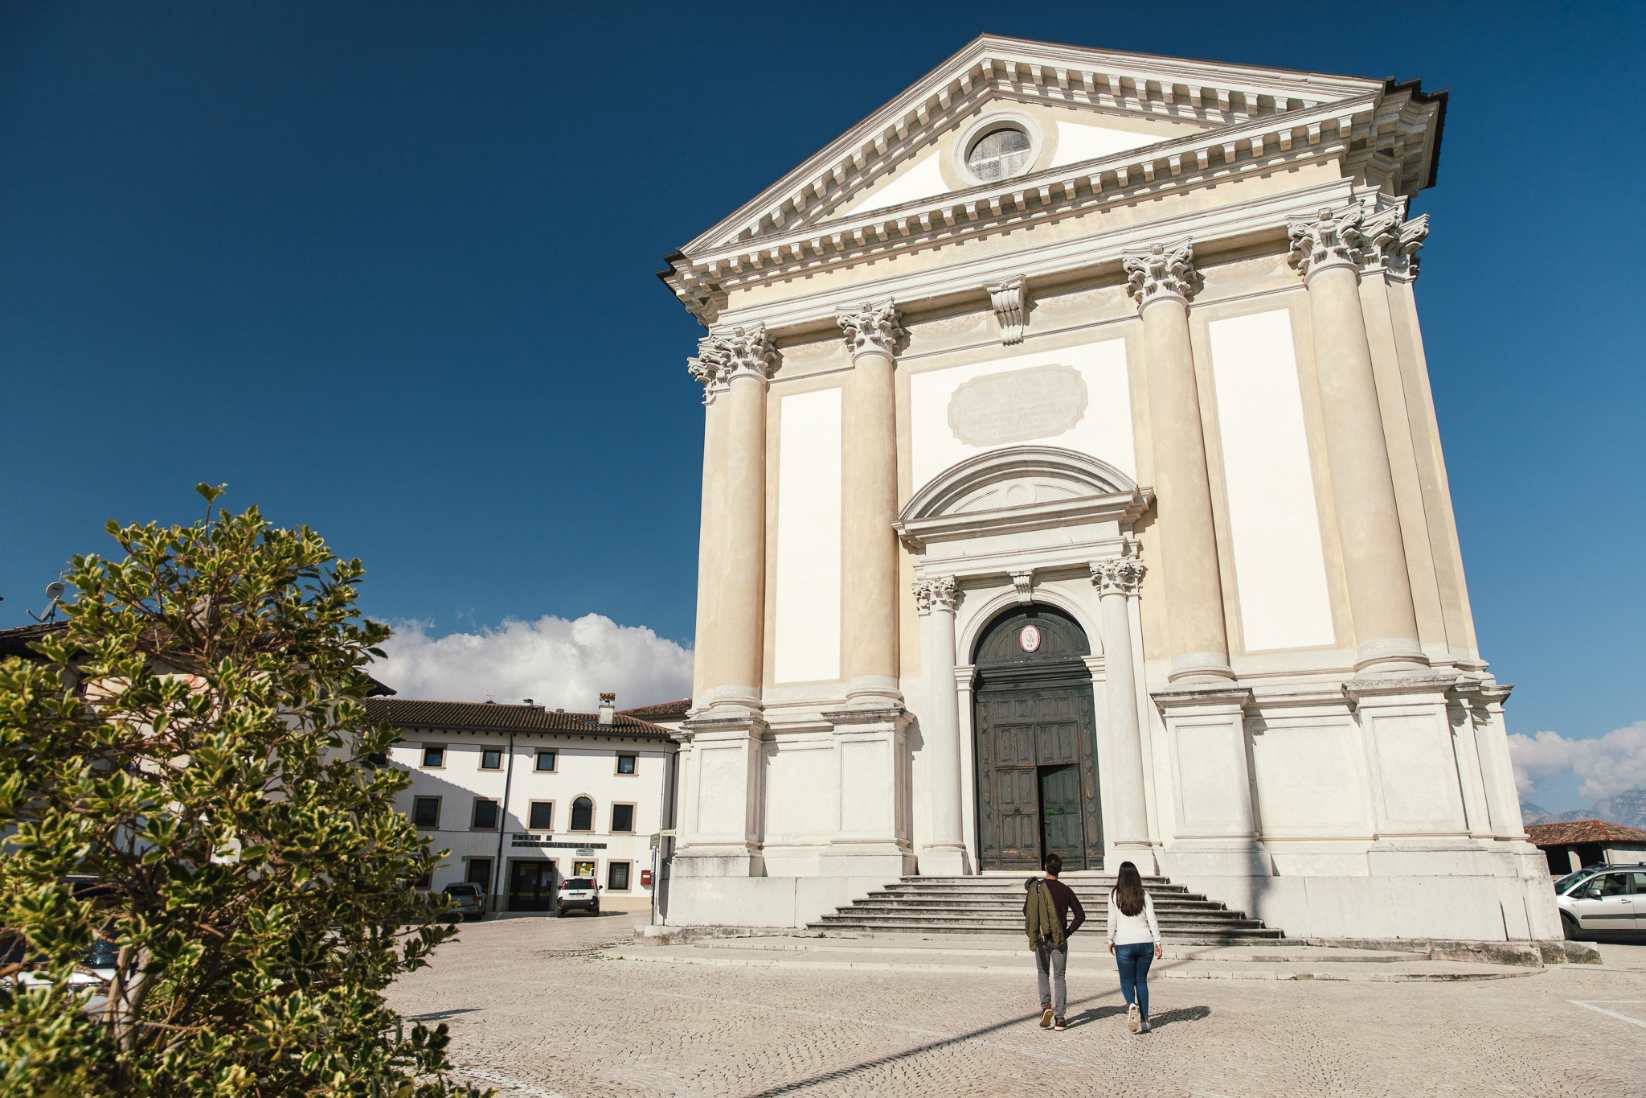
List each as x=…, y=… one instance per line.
x=1134, y=939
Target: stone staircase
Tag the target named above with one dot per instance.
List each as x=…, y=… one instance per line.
x=993, y=903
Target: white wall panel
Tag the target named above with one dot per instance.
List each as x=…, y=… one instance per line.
x=1077, y=398
x=1077, y=142
x=808, y=537
x=1280, y=569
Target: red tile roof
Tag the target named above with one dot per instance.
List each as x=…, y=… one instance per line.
x=662, y=711
x=1573, y=832
x=460, y=716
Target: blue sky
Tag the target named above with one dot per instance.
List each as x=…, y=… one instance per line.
x=389, y=270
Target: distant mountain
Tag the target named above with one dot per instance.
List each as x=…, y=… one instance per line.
x=1628, y=807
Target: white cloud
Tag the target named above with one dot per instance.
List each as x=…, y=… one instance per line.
x=554, y=661
x=1607, y=764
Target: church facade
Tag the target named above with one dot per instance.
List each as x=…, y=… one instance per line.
x=1072, y=484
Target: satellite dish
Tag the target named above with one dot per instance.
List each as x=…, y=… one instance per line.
x=54, y=593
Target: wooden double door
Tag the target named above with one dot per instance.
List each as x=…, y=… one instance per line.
x=1035, y=740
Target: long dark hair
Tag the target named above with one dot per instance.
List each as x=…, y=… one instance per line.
x=1128, y=890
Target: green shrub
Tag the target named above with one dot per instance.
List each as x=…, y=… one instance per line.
x=188, y=776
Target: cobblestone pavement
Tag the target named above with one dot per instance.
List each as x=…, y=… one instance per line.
x=535, y=1014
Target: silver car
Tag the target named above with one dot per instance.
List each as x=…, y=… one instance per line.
x=467, y=899
x=1610, y=901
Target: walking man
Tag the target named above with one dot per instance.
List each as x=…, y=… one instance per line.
x=1047, y=920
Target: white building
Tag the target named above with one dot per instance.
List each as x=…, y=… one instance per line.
x=1072, y=483
x=522, y=796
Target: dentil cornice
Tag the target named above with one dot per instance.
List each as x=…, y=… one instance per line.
x=1164, y=272
x=937, y=593
x=736, y=352
x=871, y=326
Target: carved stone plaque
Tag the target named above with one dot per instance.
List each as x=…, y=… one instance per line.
x=1019, y=405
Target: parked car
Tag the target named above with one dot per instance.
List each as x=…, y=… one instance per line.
x=579, y=893
x=1611, y=900
x=467, y=899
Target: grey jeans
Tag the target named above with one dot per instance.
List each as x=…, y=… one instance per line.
x=1050, y=962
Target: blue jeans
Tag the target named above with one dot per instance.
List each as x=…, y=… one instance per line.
x=1133, y=961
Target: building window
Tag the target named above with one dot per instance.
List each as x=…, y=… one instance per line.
x=545, y=761
x=623, y=819
x=626, y=764
x=480, y=873
x=1000, y=154
x=491, y=758
x=582, y=814
x=426, y=813
x=424, y=882
x=541, y=817
x=617, y=876
x=582, y=869
x=485, y=815
x=434, y=755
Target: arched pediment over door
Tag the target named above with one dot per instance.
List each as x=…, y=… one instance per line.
x=1021, y=504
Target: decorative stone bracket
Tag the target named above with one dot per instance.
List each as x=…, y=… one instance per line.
x=1011, y=308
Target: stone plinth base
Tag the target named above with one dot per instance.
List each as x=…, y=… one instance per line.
x=762, y=901
x=1483, y=893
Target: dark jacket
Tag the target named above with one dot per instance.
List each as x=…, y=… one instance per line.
x=1065, y=901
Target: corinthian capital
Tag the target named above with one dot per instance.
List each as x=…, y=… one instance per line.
x=871, y=326
x=1164, y=272
x=1329, y=239
x=1392, y=244
x=1119, y=576
x=734, y=353
x=939, y=593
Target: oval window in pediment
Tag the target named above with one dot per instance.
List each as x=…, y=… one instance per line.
x=1000, y=154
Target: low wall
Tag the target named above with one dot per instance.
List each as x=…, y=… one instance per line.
x=762, y=901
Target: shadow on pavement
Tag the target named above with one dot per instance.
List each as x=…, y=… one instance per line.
x=930, y=1046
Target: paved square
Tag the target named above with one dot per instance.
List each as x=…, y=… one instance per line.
x=535, y=1011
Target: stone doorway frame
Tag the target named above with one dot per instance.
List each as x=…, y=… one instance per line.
x=1017, y=525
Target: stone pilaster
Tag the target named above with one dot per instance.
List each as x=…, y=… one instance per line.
x=935, y=599
x=869, y=506
x=1117, y=582
x=722, y=817
x=1162, y=281
x=733, y=367
x=1329, y=251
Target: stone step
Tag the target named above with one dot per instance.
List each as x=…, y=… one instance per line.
x=1014, y=922
x=1206, y=936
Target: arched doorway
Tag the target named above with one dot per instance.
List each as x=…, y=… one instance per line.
x=1035, y=743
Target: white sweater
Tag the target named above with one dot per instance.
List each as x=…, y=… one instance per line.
x=1131, y=929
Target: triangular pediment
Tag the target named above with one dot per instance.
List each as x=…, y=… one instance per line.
x=1058, y=135
x=903, y=138
x=1093, y=128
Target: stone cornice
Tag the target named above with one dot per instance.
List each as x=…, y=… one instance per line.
x=1211, y=93
x=1262, y=216
x=872, y=326
x=1395, y=124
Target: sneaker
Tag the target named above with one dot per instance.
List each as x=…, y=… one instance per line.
x=1060, y=1025
x=1046, y=1018
x=1132, y=1018
x=1143, y=1026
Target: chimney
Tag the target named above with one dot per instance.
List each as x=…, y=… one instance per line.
x=608, y=705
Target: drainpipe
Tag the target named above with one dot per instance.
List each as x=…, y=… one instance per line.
x=502, y=826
